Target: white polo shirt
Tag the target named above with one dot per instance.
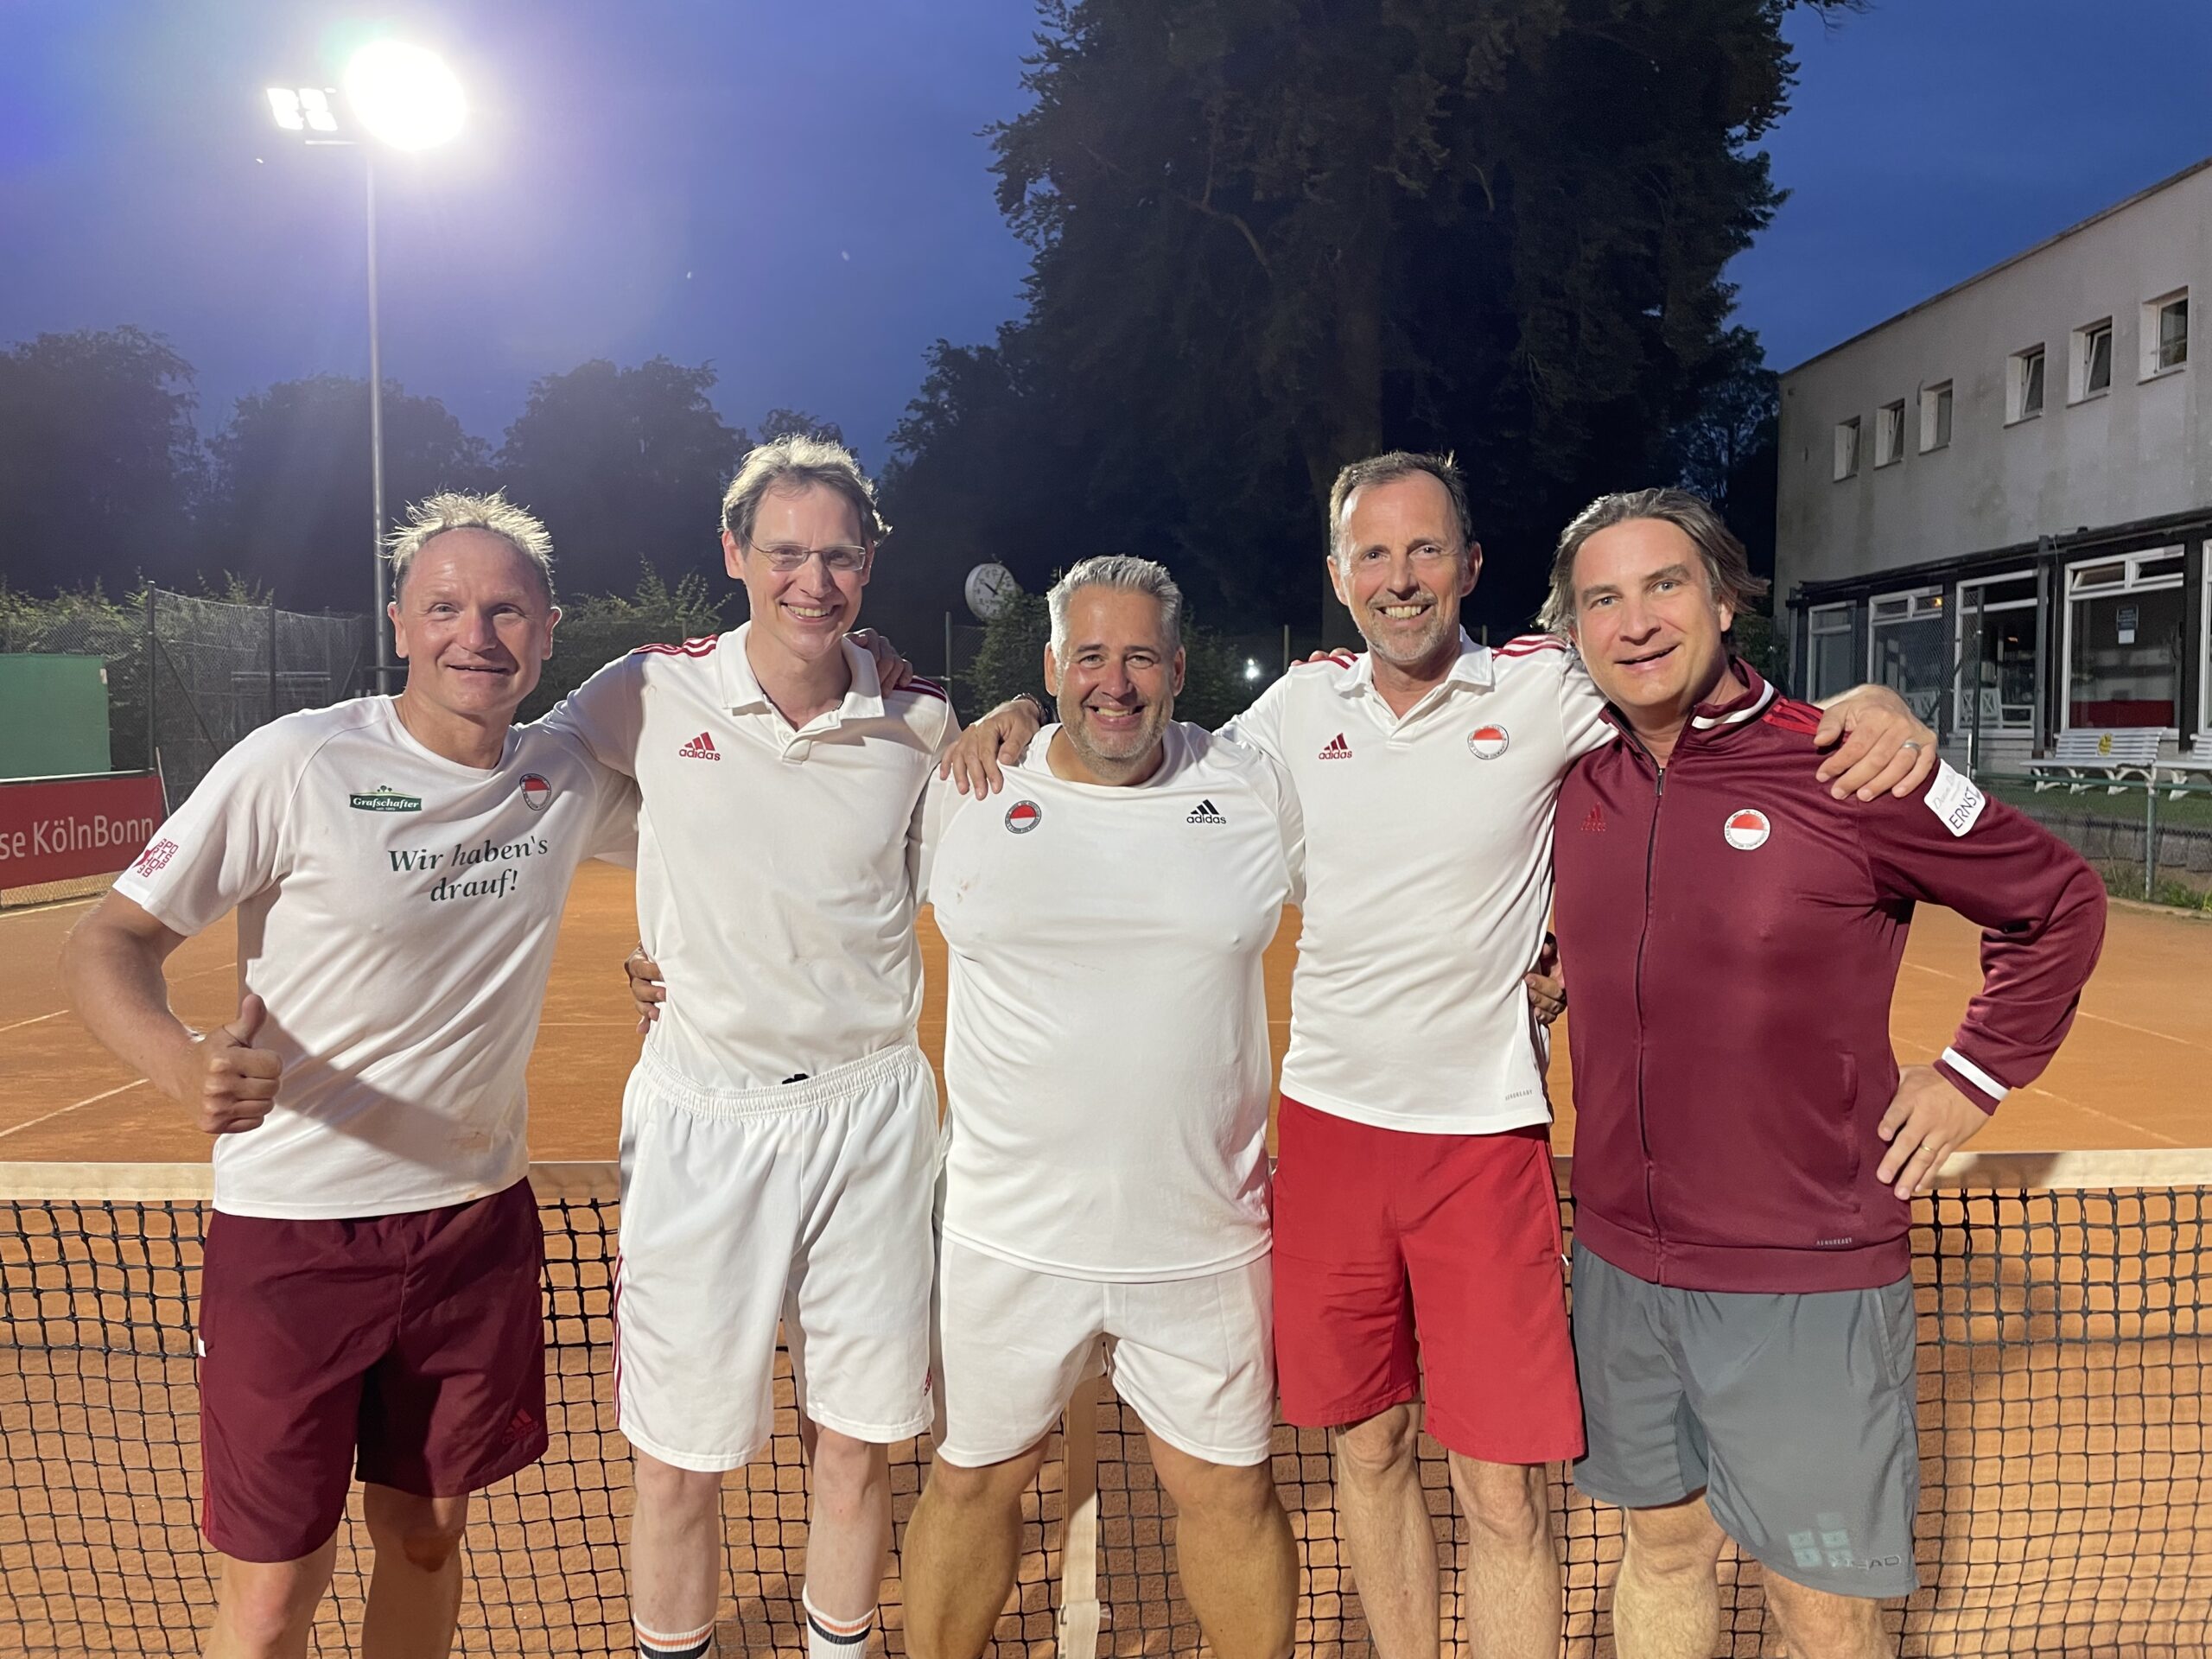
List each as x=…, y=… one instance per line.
x=1106, y=1055
x=1428, y=881
x=397, y=912
x=776, y=865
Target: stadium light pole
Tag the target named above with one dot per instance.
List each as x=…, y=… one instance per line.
x=405, y=97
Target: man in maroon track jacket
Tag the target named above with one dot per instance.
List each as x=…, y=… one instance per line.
x=1743, y=1292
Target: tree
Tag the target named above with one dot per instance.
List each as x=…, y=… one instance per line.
x=289, y=515
x=596, y=628
x=787, y=422
x=625, y=466
x=1271, y=236
x=100, y=464
x=1729, y=450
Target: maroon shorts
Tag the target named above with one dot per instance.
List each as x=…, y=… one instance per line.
x=1424, y=1265
x=418, y=1340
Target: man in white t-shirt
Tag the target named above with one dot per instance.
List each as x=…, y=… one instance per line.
x=1105, y=1191
x=1417, y=1256
x=779, y=1134
x=369, y=1288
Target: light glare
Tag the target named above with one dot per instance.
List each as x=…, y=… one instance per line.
x=284, y=105
x=404, y=95
x=316, y=104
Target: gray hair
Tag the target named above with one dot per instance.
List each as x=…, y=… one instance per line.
x=434, y=515
x=794, y=462
x=1387, y=468
x=1727, y=567
x=1125, y=571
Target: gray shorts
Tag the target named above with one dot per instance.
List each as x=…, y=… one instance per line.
x=1795, y=1415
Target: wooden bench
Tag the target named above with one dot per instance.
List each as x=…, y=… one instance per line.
x=2083, y=757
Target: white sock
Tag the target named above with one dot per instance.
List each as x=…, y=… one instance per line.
x=689, y=1644
x=835, y=1639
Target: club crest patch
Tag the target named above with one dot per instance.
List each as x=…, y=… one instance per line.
x=1488, y=742
x=1747, y=828
x=536, y=793
x=1023, y=817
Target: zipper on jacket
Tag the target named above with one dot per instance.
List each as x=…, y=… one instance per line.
x=1643, y=1122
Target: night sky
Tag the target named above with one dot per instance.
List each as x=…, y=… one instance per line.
x=800, y=194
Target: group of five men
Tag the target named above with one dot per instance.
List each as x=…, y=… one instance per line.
x=1099, y=1193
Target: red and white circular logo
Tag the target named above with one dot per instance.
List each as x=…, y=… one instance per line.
x=1023, y=817
x=1746, y=827
x=535, y=792
x=1488, y=742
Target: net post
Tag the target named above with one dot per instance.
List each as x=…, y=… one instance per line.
x=1079, y=1610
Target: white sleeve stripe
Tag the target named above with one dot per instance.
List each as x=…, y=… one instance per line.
x=1975, y=1075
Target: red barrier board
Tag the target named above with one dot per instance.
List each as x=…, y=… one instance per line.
x=56, y=829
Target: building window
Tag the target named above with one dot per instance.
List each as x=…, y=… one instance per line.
x=1997, y=625
x=1888, y=433
x=1936, y=418
x=2092, y=362
x=1909, y=649
x=2123, y=639
x=2023, y=385
x=2165, y=334
x=1847, y=449
x=1832, y=662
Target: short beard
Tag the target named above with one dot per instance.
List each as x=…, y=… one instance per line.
x=1103, y=764
x=1400, y=655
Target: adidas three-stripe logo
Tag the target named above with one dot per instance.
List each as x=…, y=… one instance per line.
x=701, y=747
x=1206, y=812
x=1336, y=748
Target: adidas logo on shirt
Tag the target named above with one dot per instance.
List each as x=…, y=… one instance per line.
x=1206, y=812
x=1595, y=823
x=1336, y=748
x=701, y=747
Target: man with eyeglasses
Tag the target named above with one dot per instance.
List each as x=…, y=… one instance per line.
x=779, y=1132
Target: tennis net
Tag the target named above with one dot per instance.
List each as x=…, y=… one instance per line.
x=2063, y=1381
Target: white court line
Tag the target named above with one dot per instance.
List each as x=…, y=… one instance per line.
x=48, y=909
x=2101, y=1018
x=2133, y=1128
x=89, y=1100
x=38, y=1021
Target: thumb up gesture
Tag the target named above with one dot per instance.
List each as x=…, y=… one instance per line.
x=238, y=1082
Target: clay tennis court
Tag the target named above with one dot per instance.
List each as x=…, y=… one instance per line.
x=2063, y=1371
x=2132, y=1075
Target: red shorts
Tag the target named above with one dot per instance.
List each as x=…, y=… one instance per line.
x=1405, y=1259
x=416, y=1339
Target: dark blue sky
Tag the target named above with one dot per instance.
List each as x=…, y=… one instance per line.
x=799, y=193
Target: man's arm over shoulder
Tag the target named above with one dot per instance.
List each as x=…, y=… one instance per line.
x=1262, y=725
x=2040, y=906
x=606, y=713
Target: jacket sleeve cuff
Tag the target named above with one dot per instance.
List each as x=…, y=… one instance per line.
x=1971, y=1080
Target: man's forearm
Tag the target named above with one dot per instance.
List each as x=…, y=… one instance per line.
x=115, y=986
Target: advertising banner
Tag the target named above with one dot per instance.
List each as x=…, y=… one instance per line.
x=59, y=829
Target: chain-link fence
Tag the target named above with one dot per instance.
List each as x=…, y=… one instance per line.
x=188, y=678
x=2148, y=841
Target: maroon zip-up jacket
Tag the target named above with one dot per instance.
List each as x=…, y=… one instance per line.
x=1731, y=937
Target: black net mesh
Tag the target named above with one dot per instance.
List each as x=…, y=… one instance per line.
x=2062, y=1375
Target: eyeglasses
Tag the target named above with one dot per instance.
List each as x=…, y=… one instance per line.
x=843, y=558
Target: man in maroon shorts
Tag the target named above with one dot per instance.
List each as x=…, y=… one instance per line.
x=369, y=1296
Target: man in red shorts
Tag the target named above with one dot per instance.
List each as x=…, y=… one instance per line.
x=369, y=1296
x=1745, y=1143
x=1416, y=1232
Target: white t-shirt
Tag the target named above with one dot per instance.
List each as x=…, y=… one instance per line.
x=776, y=865
x=1427, y=881
x=1106, y=1023
x=397, y=912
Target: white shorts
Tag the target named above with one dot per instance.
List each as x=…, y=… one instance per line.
x=1194, y=1358
x=810, y=1202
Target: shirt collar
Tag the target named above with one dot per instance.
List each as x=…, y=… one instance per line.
x=1473, y=666
x=741, y=691
x=1710, y=721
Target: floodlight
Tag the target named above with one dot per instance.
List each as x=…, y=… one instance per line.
x=303, y=109
x=1251, y=668
x=404, y=95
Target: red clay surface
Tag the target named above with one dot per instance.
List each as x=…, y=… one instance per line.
x=2132, y=1074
